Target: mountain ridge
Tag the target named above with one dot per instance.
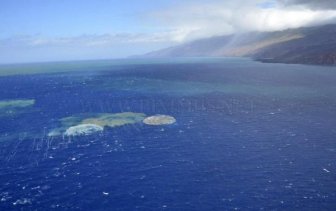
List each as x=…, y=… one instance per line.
x=306, y=45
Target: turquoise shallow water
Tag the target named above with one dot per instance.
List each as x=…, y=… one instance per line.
x=247, y=135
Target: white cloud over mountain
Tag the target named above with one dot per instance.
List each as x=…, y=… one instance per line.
x=312, y=4
x=226, y=17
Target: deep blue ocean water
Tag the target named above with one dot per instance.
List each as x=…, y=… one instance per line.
x=248, y=136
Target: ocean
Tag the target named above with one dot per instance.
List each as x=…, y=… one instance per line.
x=247, y=136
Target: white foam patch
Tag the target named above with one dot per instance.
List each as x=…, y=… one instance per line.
x=54, y=133
x=83, y=130
x=159, y=120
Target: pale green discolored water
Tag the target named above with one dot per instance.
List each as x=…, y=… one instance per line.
x=13, y=107
x=188, y=88
x=99, y=119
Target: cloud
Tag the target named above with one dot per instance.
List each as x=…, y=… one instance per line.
x=312, y=4
x=197, y=20
x=104, y=40
x=105, y=46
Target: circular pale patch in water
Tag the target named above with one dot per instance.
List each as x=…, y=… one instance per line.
x=83, y=130
x=159, y=120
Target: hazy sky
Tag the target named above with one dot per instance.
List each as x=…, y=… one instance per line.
x=47, y=30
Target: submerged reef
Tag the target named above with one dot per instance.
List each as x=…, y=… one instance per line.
x=159, y=120
x=115, y=120
x=14, y=107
